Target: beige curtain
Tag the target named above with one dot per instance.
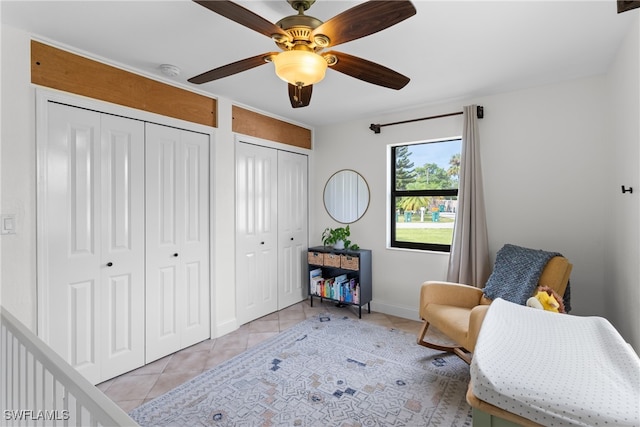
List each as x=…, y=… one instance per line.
x=469, y=257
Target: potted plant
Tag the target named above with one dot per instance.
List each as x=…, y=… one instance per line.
x=338, y=238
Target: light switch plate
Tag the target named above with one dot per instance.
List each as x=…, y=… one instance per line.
x=8, y=224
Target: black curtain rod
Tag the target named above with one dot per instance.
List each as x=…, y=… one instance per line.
x=376, y=128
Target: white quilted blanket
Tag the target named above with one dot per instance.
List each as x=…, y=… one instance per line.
x=556, y=369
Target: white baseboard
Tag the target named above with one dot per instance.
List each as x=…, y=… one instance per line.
x=231, y=325
x=404, y=312
x=223, y=328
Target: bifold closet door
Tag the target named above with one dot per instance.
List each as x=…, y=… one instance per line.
x=256, y=232
x=92, y=235
x=177, y=239
x=292, y=228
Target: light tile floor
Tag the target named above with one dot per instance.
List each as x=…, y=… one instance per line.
x=134, y=388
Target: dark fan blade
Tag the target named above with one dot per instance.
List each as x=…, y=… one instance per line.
x=364, y=19
x=229, y=69
x=368, y=71
x=300, y=97
x=243, y=16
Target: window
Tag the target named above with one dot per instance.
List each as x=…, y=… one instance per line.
x=424, y=194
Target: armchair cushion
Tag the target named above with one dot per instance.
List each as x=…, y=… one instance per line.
x=450, y=320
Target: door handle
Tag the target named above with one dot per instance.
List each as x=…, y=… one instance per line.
x=292, y=238
x=175, y=255
x=109, y=264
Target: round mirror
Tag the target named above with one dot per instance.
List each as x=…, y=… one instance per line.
x=346, y=196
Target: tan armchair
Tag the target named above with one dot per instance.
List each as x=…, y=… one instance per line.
x=458, y=310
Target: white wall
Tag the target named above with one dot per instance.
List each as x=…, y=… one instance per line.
x=622, y=278
x=554, y=159
x=224, y=236
x=18, y=181
x=542, y=152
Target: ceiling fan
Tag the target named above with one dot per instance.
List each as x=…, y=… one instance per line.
x=302, y=39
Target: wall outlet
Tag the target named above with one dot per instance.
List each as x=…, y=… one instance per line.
x=8, y=224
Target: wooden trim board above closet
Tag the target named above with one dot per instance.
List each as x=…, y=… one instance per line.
x=62, y=70
x=257, y=125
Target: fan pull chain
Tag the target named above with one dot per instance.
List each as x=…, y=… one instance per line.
x=298, y=94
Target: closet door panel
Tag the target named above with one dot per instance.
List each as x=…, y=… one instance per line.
x=72, y=258
x=177, y=218
x=162, y=266
x=122, y=245
x=121, y=312
x=93, y=238
x=83, y=317
x=194, y=244
x=83, y=166
x=167, y=295
x=256, y=232
x=193, y=295
x=292, y=228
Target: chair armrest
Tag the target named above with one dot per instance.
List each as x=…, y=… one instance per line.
x=476, y=318
x=449, y=293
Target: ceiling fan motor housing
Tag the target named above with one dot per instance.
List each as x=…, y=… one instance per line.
x=300, y=27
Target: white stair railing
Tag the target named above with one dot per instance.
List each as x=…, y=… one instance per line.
x=38, y=388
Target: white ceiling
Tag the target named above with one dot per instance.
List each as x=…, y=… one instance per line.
x=450, y=49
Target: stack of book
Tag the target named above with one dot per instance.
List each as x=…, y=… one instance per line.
x=339, y=288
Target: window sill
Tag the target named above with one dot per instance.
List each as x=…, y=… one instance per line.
x=425, y=251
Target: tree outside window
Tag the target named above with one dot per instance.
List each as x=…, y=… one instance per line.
x=424, y=194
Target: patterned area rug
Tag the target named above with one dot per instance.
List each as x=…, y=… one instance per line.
x=325, y=371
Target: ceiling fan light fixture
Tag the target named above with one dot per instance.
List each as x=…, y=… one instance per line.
x=300, y=67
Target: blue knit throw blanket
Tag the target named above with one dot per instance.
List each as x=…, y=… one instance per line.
x=516, y=273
